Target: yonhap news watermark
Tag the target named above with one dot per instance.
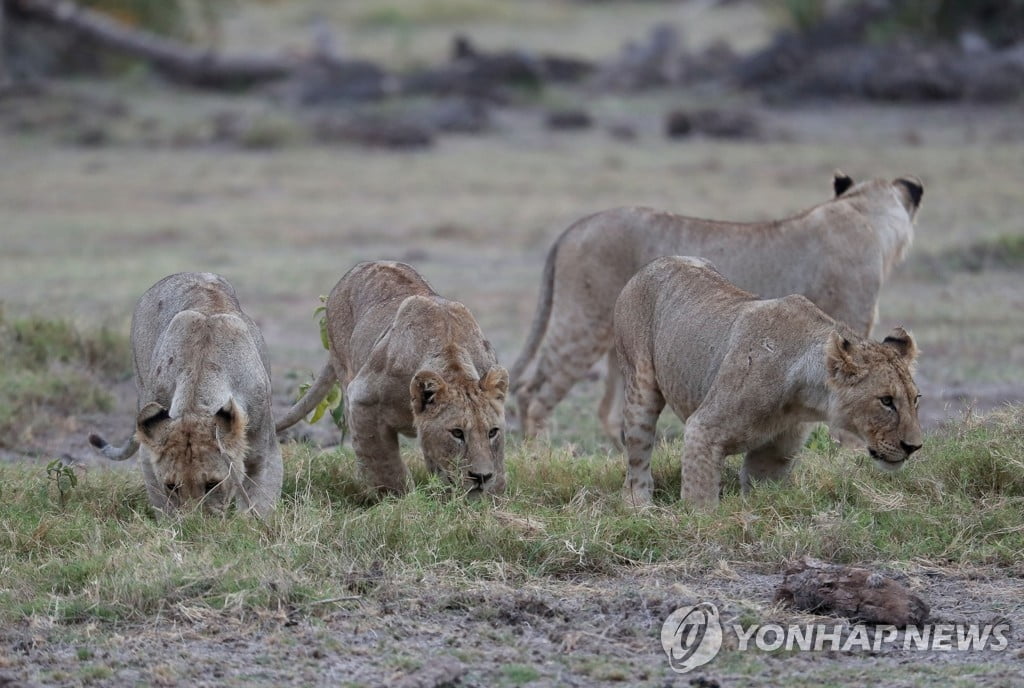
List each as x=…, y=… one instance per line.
x=693, y=636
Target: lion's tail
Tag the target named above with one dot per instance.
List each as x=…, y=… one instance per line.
x=539, y=327
x=321, y=386
x=115, y=453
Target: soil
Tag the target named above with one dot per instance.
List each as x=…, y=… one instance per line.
x=547, y=633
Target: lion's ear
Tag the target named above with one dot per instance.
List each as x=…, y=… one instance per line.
x=495, y=383
x=232, y=418
x=150, y=418
x=903, y=342
x=912, y=190
x=841, y=182
x=839, y=358
x=427, y=389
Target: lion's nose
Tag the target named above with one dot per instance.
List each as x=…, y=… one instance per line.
x=909, y=448
x=480, y=478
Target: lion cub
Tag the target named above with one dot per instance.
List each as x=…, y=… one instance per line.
x=203, y=384
x=412, y=363
x=750, y=375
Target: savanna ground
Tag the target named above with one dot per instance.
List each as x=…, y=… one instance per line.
x=559, y=583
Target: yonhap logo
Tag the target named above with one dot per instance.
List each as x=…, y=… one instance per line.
x=692, y=636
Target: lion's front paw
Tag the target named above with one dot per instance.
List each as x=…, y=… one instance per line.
x=637, y=496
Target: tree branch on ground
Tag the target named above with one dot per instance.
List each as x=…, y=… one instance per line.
x=177, y=61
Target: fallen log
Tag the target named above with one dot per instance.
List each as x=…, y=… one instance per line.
x=177, y=61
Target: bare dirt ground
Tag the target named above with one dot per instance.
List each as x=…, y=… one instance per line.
x=552, y=633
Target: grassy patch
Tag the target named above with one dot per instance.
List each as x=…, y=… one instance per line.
x=1003, y=252
x=518, y=674
x=104, y=555
x=384, y=15
x=52, y=369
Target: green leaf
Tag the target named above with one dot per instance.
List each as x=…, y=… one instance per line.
x=323, y=334
x=338, y=414
x=332, y=400
x=322, y=312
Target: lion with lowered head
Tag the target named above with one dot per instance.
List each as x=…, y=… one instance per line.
x=203, y=380
x=412, y=363
x=837, y=254
x=748, y=375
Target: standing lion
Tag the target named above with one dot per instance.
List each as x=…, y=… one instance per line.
x=837, y=254
x=750, y=375
x=412, y=363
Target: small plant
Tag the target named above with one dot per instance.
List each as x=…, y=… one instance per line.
x=63, y=478
x=333, y=402
x=821, y=442
x=321, y=311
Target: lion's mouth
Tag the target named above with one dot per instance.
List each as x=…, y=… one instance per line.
x=878, y=456
x=475, y=492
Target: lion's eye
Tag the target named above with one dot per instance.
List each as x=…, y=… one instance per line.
x=887, y=402
x=493, y=433
x=458, y=434
x=210, y=486
x=171, y=487
x=917, y=400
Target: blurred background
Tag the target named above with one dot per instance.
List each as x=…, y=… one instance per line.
x=279, y=142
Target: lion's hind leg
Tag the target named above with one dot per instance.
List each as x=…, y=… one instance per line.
x=612, y=403
x=563, y=361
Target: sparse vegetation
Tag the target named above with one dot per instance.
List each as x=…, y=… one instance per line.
x=407, y=15
x=104, y=555
x=1005, y=252
x=52, y=369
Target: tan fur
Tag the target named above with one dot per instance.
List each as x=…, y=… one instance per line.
x=837, y=254
x=749, y=376
x=203, y=383
x=412, y=363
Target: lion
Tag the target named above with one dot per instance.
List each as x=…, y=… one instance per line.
x=412, y=363
x=203, y=381
x=750, y=375
x=837, y=254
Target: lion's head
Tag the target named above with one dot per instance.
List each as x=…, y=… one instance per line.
x=874, y=395
x=197, y=458
x=460, y=420
x=907, y=190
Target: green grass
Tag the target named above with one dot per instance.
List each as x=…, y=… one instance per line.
x=51, y=369
x=104, y=555
x=430, y=12
x=1003, y=252
x=518, y=674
